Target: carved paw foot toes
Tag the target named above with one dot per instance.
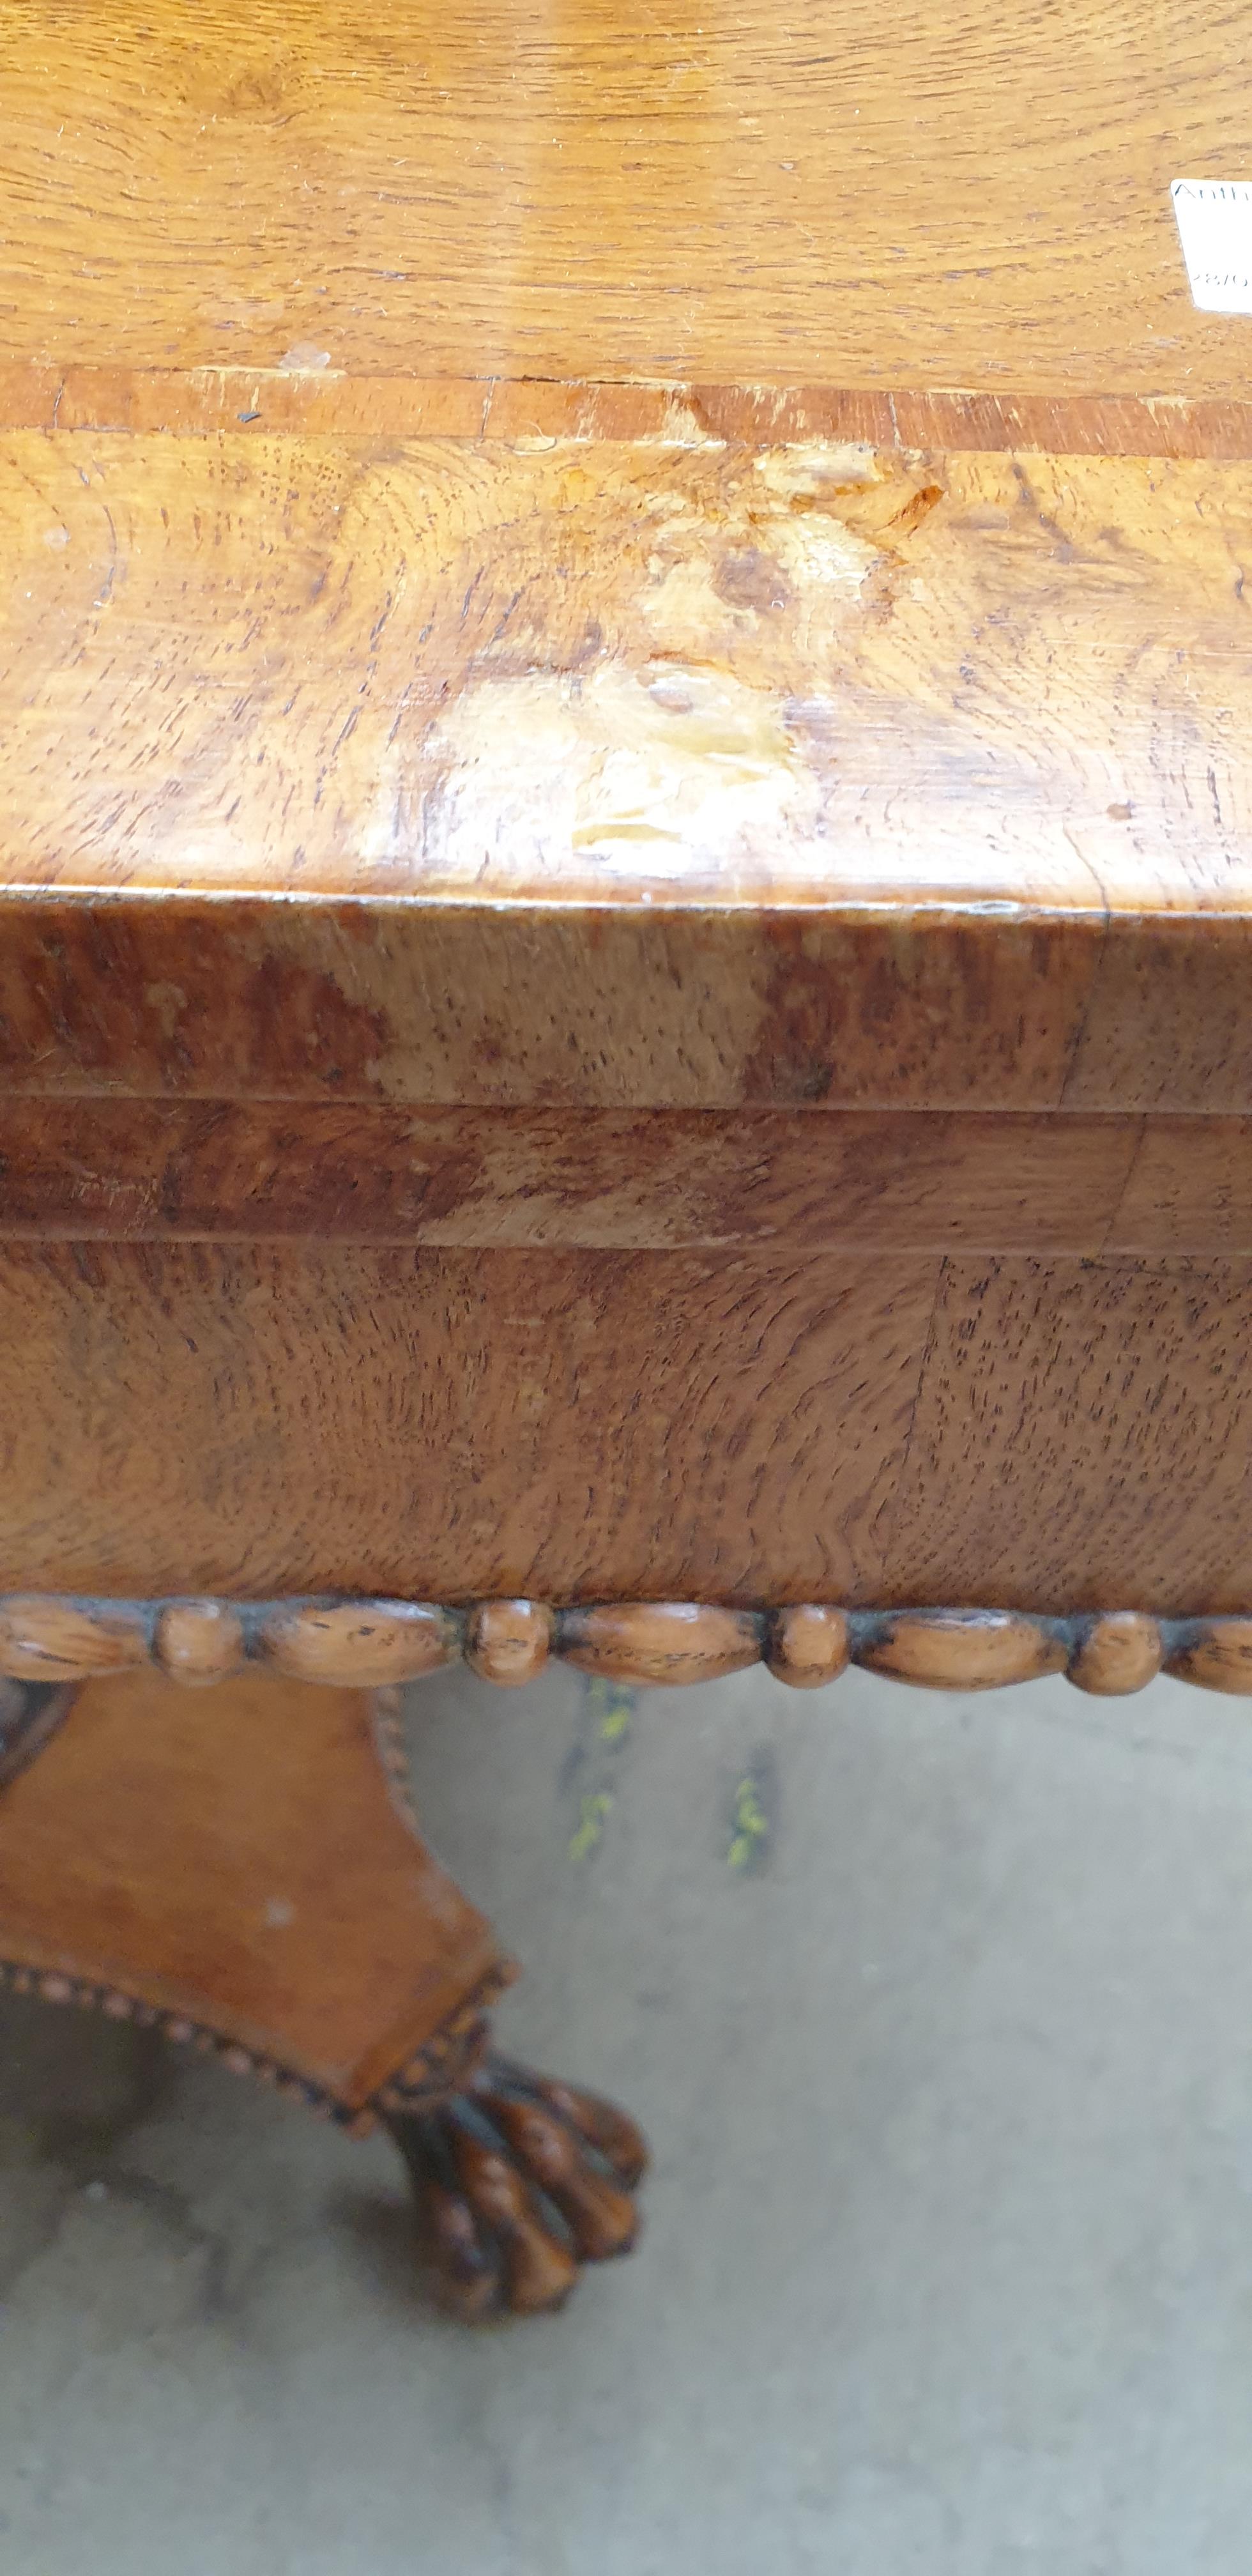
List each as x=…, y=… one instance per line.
x=519, y=2180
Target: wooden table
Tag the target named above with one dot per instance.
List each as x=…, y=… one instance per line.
x=624, y=946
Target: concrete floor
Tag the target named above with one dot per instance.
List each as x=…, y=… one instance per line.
x=948, y=2260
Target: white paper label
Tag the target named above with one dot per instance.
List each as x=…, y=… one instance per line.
x=1215, y=229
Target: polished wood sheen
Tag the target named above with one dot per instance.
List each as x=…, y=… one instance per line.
x=196, y=1642
x=788, y=193
x=958, y=1650
x=508, y=1642
x=662, y=1641
x=46, y=1640
x=797, y=673
x=372, y=1645
x=809, y=1646
x=726, y=775
x=1123, y=1651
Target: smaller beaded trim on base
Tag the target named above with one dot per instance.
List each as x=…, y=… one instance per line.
x=445, y=2061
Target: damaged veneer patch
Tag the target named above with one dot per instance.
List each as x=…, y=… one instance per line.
x=691, y=736
x=659, y=765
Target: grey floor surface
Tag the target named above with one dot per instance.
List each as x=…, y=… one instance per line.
x=938, y=2015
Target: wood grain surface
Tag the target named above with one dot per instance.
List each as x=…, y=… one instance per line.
x=518, y=412
x=733, y=189
x=141, y=1171
x=234, y=1857
x=604, y=1006
x=700, y=673
x=723, y=775
x=448, y=1425
x=582, y=1427
x=631, y=1007
x=1218, y=1657
x=1081, y=1423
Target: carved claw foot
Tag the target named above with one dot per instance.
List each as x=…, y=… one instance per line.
x=519, y=2180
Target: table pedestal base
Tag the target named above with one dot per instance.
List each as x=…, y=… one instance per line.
x=240, y=1866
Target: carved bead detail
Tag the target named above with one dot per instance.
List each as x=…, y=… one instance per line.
x=1217, y=1653
x=661, y=1641
x=44, y=1638
x=372, y=1645
x=451, y=2051
x=963, y=1650
x=508, y=1641
x=1118, y=1652
x=199, y=1641
x=808, y=1647
x=359, y=1644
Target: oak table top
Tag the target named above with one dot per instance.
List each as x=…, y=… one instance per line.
x=762, y=192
